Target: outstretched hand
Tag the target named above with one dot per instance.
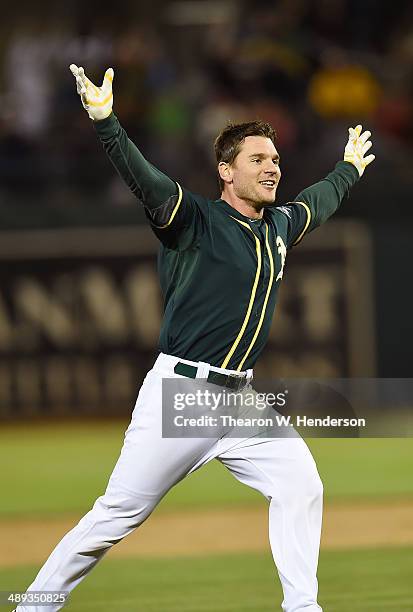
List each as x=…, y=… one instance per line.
x=357, y=147
x=97, y=101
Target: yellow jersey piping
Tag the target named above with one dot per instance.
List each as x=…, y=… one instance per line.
x=307, y=208
x=252, y=297
x=264, y=307
x=175, y=210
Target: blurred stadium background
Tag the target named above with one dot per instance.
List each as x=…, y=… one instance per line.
x=79, y=300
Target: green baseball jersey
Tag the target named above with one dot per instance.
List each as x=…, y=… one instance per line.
x=219, y=271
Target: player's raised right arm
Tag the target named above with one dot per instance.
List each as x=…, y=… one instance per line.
x=161, y=196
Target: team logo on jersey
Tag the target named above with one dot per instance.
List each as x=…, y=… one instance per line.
x=282, y=251
x=285, y=210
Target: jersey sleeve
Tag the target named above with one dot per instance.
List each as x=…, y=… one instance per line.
x=315, y=204
x=178, y=222
x=172, y=212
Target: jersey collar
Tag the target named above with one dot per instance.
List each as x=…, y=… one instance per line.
x=233, y=212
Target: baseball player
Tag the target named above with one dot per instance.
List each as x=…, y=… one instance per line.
x=220, y=264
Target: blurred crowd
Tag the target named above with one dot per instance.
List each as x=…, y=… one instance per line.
x=182, y=71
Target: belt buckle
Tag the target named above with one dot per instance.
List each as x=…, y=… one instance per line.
x=236, y=383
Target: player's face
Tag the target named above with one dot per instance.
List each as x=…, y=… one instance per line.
x=256, y=171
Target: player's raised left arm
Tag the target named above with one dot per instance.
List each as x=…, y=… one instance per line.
x=315, y=204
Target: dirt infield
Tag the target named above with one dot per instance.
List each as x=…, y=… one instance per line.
x=364, y=525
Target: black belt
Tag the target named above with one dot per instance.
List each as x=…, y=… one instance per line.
x=231, y=381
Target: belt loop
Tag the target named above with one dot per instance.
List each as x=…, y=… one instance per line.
x=202, y=369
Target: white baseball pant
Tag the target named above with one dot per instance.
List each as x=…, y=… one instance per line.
x=282, y=469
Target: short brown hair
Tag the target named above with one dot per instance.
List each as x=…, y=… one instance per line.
x=228, y=143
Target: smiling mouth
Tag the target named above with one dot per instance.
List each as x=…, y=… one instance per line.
x=268, y=184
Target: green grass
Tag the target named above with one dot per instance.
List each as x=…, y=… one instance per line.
x=360, y=581
x=365, y=468
x=62, y=468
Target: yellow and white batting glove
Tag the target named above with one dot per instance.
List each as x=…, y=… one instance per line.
x=356, y=148
x=97, y=101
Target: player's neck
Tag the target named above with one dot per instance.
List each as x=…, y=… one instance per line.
x=249, y=209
